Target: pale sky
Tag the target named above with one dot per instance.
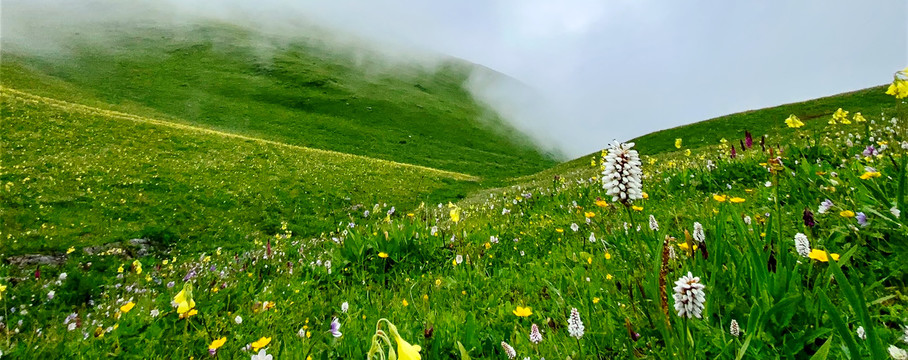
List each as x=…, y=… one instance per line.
x=603, y=70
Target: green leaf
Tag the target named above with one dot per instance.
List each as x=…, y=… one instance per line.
x=464, y=355
x=824, y=350
x=856, y=299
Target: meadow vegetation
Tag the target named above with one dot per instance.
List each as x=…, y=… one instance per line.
x=786, y=247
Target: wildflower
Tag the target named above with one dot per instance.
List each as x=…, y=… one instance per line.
x=50, y=295
x=793, y=122
x=747, y=220
x=523, y=311
x=382, y=254
x=596, y=300
x=861, y=334
x=458, y=259
x=62, y=276
x=405, y=303
x=575, y=326
x=653, y=225
x=689, y=296
x=455, y=213
x=895, y=211
x=154, y=313
x=535, y=335
x=870, y=175
x=509, y=351
x=698, y=232
x=894, y=352
x=575, y=227
x=734, y=329
x=861, y=218
x=748, y=139
x=262, y=355
x=825, y=206
x=637, y=208
x=70, y=250
x=686, y=152
x=820, y=255
x=859, y=118
x=802, y=245
x=808, y=218
x=335, y=328
x=592, y=237
x=559, y=230
x=847, y=214
x=719, y=198
x=601, y=203
x=344, y=307
x=137, y=266
x=260, y=343
x=215, y=345
x=678, y=143
x=737, y=200
x=183, y=299
x=621, y=173
x=128, y=306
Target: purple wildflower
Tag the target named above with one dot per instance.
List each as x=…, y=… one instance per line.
x=869, y=151
x=733, y=153
x=335, y=328
x=748, y=139
x=808, y=218
x=862, y=219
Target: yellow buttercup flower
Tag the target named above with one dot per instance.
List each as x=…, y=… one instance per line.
x=736, y=200
x=820, y=255
x=128, y=306
x=859, y=118
x=608, y=276
x=686, y=152
x=137, y=266
x=601, y=203
x=719, y=198
x=645, y=195
x=678, y=143
x=595, y=300
x=793, y=122
x=846, y=214
x=70, y=250
x=589, y=214
x=260, y=343
x=405, y=303
x=637, y=208
x=523, y=311
x=382, y=254
x=870, y=174
x=2, y=289
x=217, y=343
x=608, y=255
x=560, y=230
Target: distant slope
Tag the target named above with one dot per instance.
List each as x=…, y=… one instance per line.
x=301, y=91
x=871, y=102
x=76, y=176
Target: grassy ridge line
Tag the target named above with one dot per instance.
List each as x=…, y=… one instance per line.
x=65, y=105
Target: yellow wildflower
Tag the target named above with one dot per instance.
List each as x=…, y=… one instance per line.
x=736, y=200
x=719, y=198
x=608, y=255
x=425, y=297
x=382, y=254
x=405, y=351
x=455, y=213
x=793, y=122
x=184, y=300
x=608, y=276
x=846, y=214
x=859, y=118
x=70, y=250
x=678, y=143
x=260, y=343
x=217, y=343
x=128, y=306
x=601, y=203
x=637, y=208
x=560, y=230
x=686, y=152
x=137, y=266
x=2, y=289
x=437, y=282
x=405, y=303
x=645, y=195
x=120, y=269
x=589, y=260
x=523, y=311
x=589, y=214
x=820, y=255
x=870, y=174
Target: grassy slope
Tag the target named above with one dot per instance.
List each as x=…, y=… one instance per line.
x=298, y=92
x=75, y=178
x=705, y=134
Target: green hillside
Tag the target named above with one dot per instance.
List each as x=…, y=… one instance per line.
x=705, y=136
x=79, y=176
x=298, y=91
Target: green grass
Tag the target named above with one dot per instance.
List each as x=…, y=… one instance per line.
x=296, y=91
x=77, y=178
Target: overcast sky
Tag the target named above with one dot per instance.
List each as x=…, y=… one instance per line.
x=607, y=70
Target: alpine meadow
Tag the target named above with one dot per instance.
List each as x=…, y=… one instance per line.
x=209, y=190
